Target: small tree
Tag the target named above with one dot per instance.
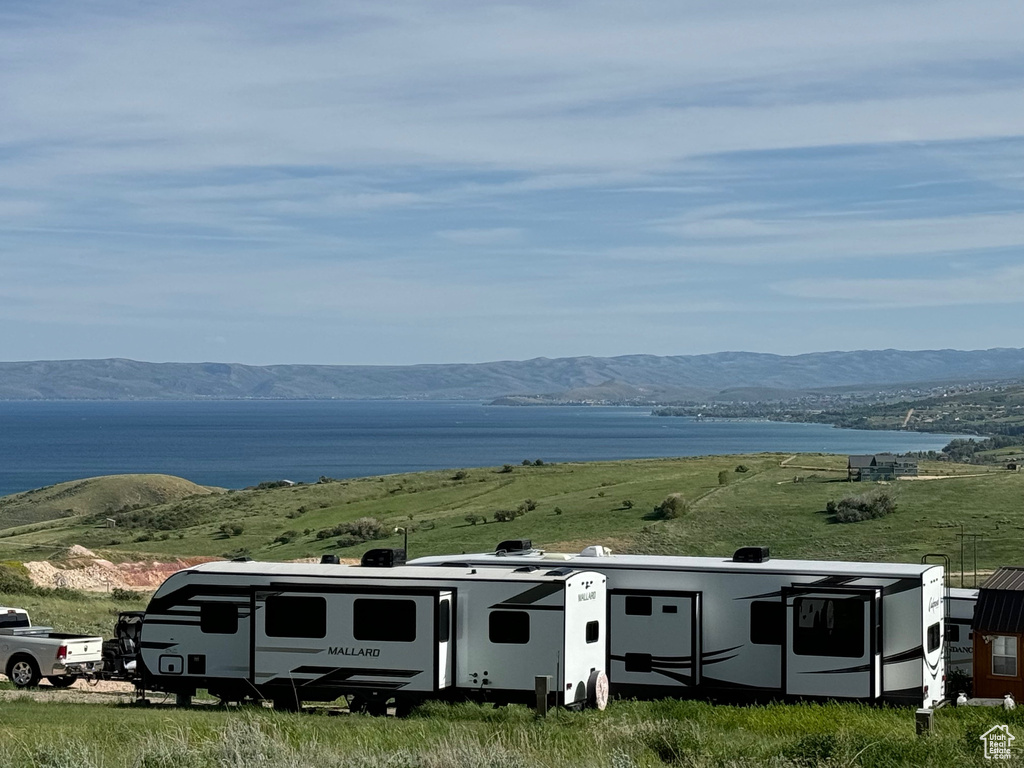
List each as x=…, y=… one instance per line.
x=723, y=477
x=671, y=508
x=627, y=504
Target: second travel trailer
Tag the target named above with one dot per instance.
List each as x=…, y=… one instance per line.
x=750, y=627
x=306, y=632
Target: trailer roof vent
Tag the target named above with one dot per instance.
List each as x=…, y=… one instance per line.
x=595, y=551
x=383, y=558
x=751, y=555
x=329, y=560
x=514, y=546
x=559, y=572
x=526, y=569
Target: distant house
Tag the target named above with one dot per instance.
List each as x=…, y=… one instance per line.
x=998, y=629
x=880, y=466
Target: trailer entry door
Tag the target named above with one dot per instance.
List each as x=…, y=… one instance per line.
x=833, y=643
x=654, y=639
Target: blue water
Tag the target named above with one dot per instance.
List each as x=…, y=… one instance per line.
x=236, y=444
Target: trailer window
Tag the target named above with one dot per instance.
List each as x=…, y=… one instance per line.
x=1004, y=655
x=934, y=637
x=828, y=627
x=392, y=621
x=296, y=616
x=218, y=618
x=509, y=627
x=444, y=621
x=767, y=622
x=953, y=633
x=638, y=605
x=593, y=631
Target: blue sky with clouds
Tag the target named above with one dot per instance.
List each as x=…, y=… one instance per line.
x=411, y=182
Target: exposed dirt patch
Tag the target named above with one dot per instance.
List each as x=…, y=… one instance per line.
x=84, y=570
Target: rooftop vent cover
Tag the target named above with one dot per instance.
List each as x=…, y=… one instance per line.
x=329, y=560
x=751, y=555
x=514, y=545
x=383, y=558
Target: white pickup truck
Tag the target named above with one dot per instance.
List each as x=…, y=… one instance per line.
x=29, y=653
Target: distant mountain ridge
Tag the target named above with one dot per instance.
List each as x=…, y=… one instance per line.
x=673, y=376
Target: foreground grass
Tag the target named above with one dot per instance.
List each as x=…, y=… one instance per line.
x=628, y=734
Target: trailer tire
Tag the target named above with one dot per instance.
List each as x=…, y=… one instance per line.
x=597, y=690
x=62, y=681
x=23, y=671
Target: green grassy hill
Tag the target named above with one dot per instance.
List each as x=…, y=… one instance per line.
x=95, y=495
x=771, y=503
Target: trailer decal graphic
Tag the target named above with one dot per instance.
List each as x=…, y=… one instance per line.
x=532, y=595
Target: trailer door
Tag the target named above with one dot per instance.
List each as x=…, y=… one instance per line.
x=833, y=643
x=654, y=640
x=444, y=624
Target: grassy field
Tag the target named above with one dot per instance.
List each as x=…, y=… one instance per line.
x=627, y=735
x=778, y=501
x=94, y=495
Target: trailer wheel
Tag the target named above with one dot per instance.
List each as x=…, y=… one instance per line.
x=62, y=681
x=23, y=672
x=597, y=690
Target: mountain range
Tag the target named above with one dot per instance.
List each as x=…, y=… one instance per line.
x=627, y=378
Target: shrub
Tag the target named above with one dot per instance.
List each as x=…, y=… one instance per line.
x=866, y=506
x=671, y=508
x=358, y=531
x=627, y=504
x=474, y=519
x=527, y=462
x=538, y=463
x=14, y=579
x=507, y=515
x=286, y=537
x=460, y=475
x=742, y=468
x=558, y=510
x=230, y=529
x=723, y=477
x=121, y=595
x=505, y=469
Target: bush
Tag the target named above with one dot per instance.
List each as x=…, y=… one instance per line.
x=558, y=510
x=671, y=508
x=866, y=506
x=230, y=529
x=286, y=537
x=474, y=519
x=460, y=475
x=505, y=469
x=538, y=463
x=358, y=531
x=527, y=462
x=742, y=468
x=723, y=477
x=122, y=595
x=627, y=504
x=508, y=515
x=14, y=579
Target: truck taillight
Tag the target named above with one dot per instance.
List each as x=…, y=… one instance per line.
x=62, y=653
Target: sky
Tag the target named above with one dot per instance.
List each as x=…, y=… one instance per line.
x=432, y=182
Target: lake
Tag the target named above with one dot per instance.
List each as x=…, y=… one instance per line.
x=240, y=443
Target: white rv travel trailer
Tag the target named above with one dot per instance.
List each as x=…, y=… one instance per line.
x=754, y=628
x=959, y=615
x=306, y=632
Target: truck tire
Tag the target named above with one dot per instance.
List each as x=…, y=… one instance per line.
x=23, y=671
x=62, y=681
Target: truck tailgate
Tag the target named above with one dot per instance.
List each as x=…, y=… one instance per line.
x=82, y=650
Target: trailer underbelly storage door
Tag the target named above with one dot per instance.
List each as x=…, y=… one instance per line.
x=322, y=643
x=833, y=647
x=654, y=640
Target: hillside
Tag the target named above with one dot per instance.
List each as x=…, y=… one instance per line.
x=97, y=495
x=632, y=376
x=732, y=501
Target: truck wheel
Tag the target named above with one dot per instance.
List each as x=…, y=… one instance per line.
x=62, y=681
x=597, y=690
x=23, y=672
